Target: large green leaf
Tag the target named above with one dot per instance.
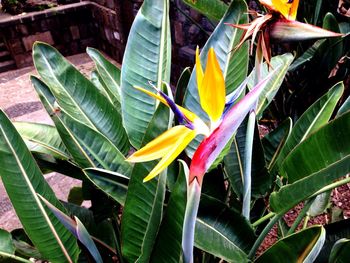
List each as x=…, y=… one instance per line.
x=340, y=252
x=316, y=116
x=113, y=184
x=6, y=244
x=222, y=232
x=344, y=107
x=334, y=232
x=42, y=138
x=233, y=65
x=303, y=246
x=306, y=56
x=109, y=73
x=72, y=145
x=78, y=96
x=144, y=201
x=274, y=141
x=282, y=62
x=213, y=9
x=320, y=159
x=97, y=147
x=22, y=180
x=10, y=258
x=168, y=246
x=146, y=58
x=234, y=163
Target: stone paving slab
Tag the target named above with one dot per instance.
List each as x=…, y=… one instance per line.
x=19, y=100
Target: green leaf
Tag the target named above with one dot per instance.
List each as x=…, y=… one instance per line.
x=182, y=85
x=42, y=138
x=234, y=66
x=22, y=180
x=6, y=244
x=168, y=246
x=330, y=161
x=10, y=258
x=340, y=251
x=97, y=147
x=75, y=195
x=234, y=163
x=334, y=232
x=76, y=227
x=303, y=246
x=147, y=58
x=48, y=100
x=274, y=141
x=47, y=164
x=344, y=107
x=24, y=246
x=113, y=184
x=144, y=201
x=101, y=86
x=307, y=56
x=109, y=73
x=222, y=232
x=213, y=9
x=78, y=96
x=282, y=62
x=313, y=118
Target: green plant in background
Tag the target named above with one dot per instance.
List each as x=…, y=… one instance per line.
x=99, y=121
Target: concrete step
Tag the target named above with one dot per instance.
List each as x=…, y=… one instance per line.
x=7, y=65
x=5, y=55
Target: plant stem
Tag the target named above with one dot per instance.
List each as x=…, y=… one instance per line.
x=307, y=217
x=301, y=215
x=262, y=236
x=263, y=219
x=247, y=179
x=332, y=186
x=4, y=255
x=193, y=198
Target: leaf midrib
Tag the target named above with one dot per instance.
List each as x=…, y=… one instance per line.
x=32, y=190
x=65, y=91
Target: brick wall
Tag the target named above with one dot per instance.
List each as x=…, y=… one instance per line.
x=69, y=28
x=103, y=24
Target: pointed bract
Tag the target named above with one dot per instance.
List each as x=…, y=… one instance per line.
x=211, y=147
x=287, y=30
x=212, y=88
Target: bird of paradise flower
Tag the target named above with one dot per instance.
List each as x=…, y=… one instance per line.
x=279, y=23
x=224, y=119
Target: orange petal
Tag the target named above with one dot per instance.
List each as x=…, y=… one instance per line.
x=212, y=90
x=287, y=8
x=186, y=136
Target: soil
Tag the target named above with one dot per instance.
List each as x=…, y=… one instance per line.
x=338, y=209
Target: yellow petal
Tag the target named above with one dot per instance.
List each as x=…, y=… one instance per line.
x=212, y=90
x=187, y=135
x=288, y=10
x=199, y=69
x=160, y=146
